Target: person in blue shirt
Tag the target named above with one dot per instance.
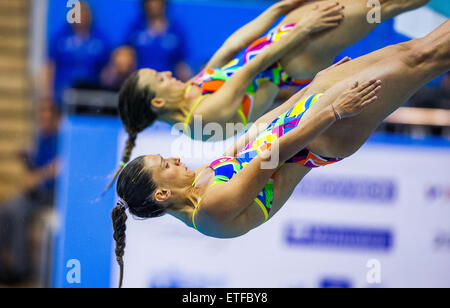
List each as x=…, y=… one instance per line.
x=158, y=41
x=38, y=183
x=122, y=64
x=76, y=57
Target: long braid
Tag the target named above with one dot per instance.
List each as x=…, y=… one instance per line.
x=119, y=218
x=136, y=114
x=131, y=143
x=135, y=189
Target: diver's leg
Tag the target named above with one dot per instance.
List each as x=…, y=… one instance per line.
x=307, y=60
x=415, y=63
x=263, y=99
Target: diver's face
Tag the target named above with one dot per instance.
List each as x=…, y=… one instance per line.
x=162, y=83
x=169, y=173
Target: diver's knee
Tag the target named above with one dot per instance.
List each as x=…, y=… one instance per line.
x=417, y=54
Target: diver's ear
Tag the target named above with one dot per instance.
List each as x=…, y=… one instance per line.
x=162, y=195
x=158, y=103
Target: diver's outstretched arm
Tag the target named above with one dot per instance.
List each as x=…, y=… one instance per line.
x=266, y=119
x=225, y=202
x=251, y=31
x=224, y=103
x=262, y=123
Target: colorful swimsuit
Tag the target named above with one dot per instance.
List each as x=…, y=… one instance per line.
x=226, y=167
x=212, y=79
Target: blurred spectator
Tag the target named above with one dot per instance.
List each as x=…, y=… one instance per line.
x=76, y=57
x=436, y=94
x=120, y=66
x=37, y=195
x=433, y=97
x=158, y=41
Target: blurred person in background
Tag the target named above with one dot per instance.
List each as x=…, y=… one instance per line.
x=433, y=96
x=122, y=63
x=158, y=41
x=76, y=57
x=37, y=195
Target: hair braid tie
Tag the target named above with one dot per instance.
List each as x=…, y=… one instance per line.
x=123, y=204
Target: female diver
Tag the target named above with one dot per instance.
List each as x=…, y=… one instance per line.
x=306, y=49
x=325, y=122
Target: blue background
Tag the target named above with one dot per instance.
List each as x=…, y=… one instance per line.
x=206, y=24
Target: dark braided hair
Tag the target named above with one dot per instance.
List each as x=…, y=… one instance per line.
x=136, y=114
x=119, y=218
x=135, y=186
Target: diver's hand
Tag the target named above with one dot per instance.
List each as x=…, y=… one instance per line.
x=342, y=61
x=352, y=102
x=319, y=19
